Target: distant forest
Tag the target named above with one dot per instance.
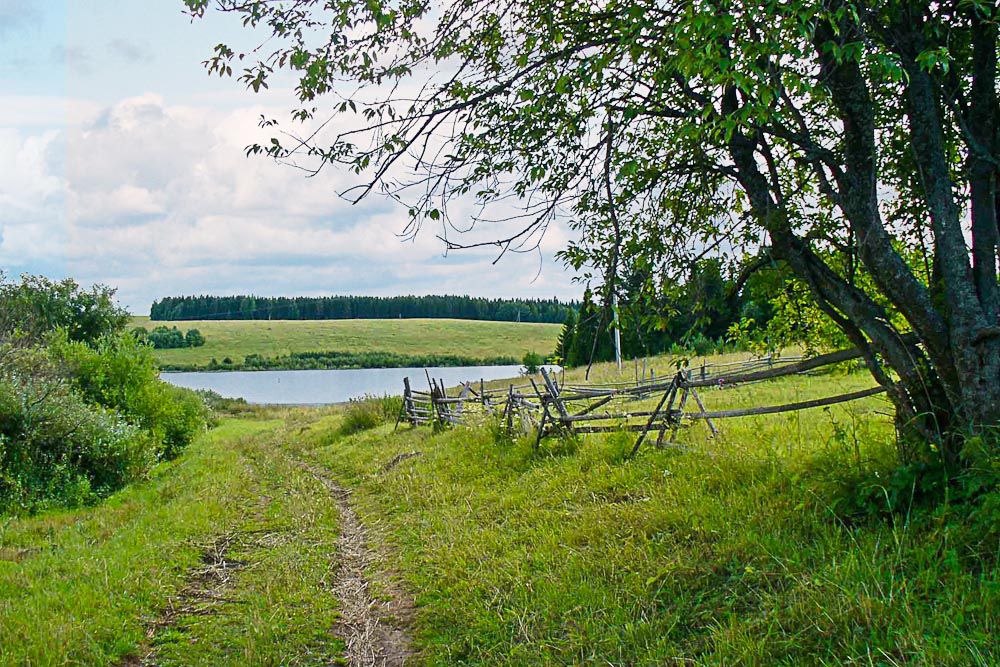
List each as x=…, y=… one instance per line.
x=359, y=307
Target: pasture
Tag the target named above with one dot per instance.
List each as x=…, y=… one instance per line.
x=271, y=338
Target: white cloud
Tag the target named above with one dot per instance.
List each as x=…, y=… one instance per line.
x=29, y=111
x=160, y=199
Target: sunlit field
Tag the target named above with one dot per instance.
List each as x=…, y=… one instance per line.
x=270, y=338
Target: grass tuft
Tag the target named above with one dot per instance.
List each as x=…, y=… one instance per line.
x=362, y=414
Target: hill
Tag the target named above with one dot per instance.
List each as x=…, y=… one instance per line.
x=470, y=339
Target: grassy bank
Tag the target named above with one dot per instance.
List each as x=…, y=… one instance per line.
x=416, y=338
x=737, y=550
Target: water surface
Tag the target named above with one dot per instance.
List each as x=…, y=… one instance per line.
x=331, y=386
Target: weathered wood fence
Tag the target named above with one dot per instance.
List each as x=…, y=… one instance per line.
x=571, y=409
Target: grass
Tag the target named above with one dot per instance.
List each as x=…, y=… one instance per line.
x=271, y=338
x=730, y=551
x=111, y=583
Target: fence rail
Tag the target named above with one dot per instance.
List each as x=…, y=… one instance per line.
x=574, y=408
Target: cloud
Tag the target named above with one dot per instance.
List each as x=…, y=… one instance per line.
x=76, y=59
x=129, y=51
x=159, y=199
x=29, y=111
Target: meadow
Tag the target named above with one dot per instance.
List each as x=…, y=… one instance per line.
x=746, y=548
x=472, y=339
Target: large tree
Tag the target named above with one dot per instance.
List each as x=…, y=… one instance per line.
x=840, y=139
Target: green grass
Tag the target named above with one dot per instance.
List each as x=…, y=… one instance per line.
x=731, y=551
x=468, y=338
x=114, y=582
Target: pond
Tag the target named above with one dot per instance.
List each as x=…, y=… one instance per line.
x=330, y=386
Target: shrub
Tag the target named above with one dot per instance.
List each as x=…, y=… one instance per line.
x=532, y=362
x=55, y=447
x=368, y=412
x=36, y=306
x=164, y=338
x=194, y=338
x=120, y=373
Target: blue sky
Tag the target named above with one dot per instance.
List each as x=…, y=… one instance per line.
x=121, y=162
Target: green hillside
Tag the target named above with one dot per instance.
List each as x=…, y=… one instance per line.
x=272, y=338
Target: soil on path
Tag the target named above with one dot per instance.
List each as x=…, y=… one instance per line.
x=373, y=626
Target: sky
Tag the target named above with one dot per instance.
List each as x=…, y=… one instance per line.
x=122, y=162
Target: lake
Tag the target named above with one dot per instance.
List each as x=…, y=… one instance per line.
x=331, y=386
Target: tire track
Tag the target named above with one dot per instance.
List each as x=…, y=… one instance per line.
x=375, y=631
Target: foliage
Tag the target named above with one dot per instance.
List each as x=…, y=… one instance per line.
x=169, y=338
x=193, y=338
x=532, y=361
x=82, y=409
x=56, y=448
x=224, y=405
x=121, y=374
x=831, y=138
x=335, y=360
x=37, y=305
x=248, y=307
x=367, y=412
x=690, y=314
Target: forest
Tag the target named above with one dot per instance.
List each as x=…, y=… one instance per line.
x=248, y=307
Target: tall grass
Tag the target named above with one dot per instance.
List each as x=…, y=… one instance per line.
x=734, y=550
x=369, y=411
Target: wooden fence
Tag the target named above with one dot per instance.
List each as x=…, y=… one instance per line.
x=571, y=409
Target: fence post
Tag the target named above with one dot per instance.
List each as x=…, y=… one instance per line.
x=510, y=410
x=553, y=392
x=671, y=390
x=406, y=409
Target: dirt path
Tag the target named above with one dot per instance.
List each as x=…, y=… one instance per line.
x=373, y=627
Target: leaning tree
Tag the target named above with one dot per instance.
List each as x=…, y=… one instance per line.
x=855, y=143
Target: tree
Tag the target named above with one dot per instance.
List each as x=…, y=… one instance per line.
x=36, y=305
x=566, y=337
x=194, y=338
x=833, y=139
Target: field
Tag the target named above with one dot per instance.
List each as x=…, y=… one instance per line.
x=733, y=550
x=271, y=338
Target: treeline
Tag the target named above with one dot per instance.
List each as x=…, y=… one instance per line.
x=698, y=313
x=359, y=307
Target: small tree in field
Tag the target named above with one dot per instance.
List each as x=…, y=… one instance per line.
x=194, y=338
x=853, y=143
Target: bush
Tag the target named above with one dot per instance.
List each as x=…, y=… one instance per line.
x=164, y=338
x=37, y=306
x=82, y=409
x=532, y=362
x=57, y=448
x=170, y=338
x=120, y=373
x=194, y=338
x=370, y=411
